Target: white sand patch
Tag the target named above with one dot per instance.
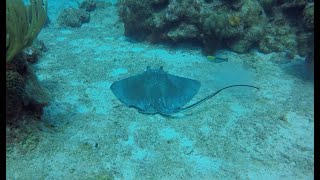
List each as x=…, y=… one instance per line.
x=128, y=171
x=205, y=130
x=205, y=164
x=60, y=39
x=109, y=38
x=43, y=77
x=56, y=108
x=187, y=145
x=168, y=133
x=139, y=154
x=119, y=71
x=71, y=98
x=264, y=57
x=137, y=49
x=99, y=100
x=274, y=175
x=66, y=31
x=299, y=133
x=102, y=49
x=185, y=142
x=99, y=58
x=238, y=110
x=177, y=57
x=83, y=109
x=132, y=128
x=83, y=43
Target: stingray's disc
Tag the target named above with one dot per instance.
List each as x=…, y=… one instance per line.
x=155, y=91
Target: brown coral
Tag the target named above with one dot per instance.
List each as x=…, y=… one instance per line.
x=24, y=94
x=15, y=88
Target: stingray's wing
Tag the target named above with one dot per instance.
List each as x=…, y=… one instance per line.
x=133, y=93
x=176, y=92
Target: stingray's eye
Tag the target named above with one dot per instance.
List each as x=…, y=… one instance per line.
x=148, y=68
x=161, y=68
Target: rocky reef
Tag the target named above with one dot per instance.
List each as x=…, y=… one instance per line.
x=240, y=25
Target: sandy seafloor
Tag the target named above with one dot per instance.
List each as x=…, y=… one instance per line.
x=86, y=133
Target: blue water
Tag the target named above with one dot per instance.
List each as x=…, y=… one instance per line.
x=87, y=133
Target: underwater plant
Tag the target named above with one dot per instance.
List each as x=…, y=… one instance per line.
x=23, y=24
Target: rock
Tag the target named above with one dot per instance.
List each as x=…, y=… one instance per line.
x=72, y=17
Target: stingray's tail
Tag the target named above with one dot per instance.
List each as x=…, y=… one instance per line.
x=213, y=94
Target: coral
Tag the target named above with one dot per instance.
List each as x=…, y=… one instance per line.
x=249, y=40
x=308, y=16
x=279, y=38
x=292, y=4
x=218, y=26
x=305, y=41
x=134, y=14
x=240, y=25
x=237, y=28
x=234, y=4
x=23, y=24
x=72, y=17
x=91, y=5
x=24, y=94
x=88, y=5
x=15, y=88
x=252, y=14
x=267, y=5
x=190, y=20
x=184, y=31
x=32, y=53
x=241, y=46
x=234, y=20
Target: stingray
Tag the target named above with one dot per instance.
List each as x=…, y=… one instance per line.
x=156, y=91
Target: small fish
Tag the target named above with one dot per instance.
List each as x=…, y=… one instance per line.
x=217, y=59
